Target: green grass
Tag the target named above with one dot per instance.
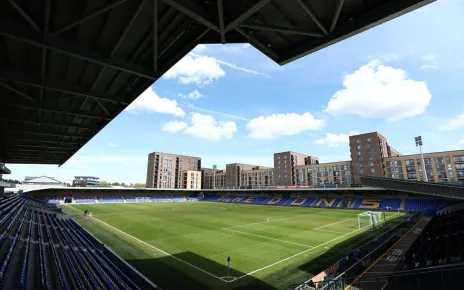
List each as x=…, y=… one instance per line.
x=187, y=244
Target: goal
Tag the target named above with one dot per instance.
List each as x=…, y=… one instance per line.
x=371, y=219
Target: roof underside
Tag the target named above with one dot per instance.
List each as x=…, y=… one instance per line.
x=67, y=68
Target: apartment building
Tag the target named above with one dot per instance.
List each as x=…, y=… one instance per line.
x=213, y=178
x=325, y=173
x=368, y=152
x=438, y=166
x=233, y=172
x=285, y=164
x=191, y=179
x=257, y=176
x=165, y=170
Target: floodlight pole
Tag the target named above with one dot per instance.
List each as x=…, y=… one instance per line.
x=419, y=143
x=214, y=177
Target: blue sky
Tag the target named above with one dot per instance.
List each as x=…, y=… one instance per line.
x=230, y=103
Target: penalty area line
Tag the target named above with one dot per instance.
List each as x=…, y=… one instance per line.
x=166, y=253
x=296, y=255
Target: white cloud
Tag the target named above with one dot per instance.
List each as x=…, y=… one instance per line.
x=151, y=102
x=431, y=62
x=201, y=70
x=459, y=145
x=190, y=106
x=426, y=67
x=200, y=48
x=233, y=66
x=429, y=57
x=206, y=127
x=246, y=45
x=455, y=123
x=113, y=145
x=333, y=140
x=379, y=91
x=174, y=126
x=195, y=95
x=271, y=127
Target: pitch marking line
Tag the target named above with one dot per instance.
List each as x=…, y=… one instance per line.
x=300, y=253
x=334, y=232
x=282, y=241
x=166, y=253
x=268, y=220
x=318, y=228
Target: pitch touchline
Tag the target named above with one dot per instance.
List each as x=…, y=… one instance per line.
x=283, y=241
x=166, y=253
x=300, y=253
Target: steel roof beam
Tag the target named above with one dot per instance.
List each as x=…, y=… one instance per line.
x=338, y=8
x=313, y=16
x=24, y=15
x=43, y=141
x=375, y=16
x=89, y=15
x=191, y=9
x=18, y=92
x=155, y=35
x=221, y=21
x=45, y=134
x=55, y=85
x=282, y=29
x=247, y=13
x=72, y=148
x=263, y=47
x=57, y=110
x=14, y=30
x=57, y=124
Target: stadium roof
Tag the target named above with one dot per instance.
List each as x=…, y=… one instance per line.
x=67, y=68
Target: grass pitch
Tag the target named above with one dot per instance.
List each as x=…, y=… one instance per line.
x=186, y=245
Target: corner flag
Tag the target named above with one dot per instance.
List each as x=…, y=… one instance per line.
x=228, y=266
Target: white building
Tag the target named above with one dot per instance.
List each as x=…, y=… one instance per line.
x=41, y=182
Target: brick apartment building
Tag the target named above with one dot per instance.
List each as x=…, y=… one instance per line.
x=371, y=155
x=167, y=170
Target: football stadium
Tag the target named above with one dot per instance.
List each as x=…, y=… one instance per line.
x=381, y=220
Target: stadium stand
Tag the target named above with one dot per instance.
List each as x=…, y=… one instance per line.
x=327, y=202
x=160, y=199
x=41, y=248
x=441, y=243
x=425, y=204
x=390, y=204
x=138, y=199
x=85, y=199
x=111, y=199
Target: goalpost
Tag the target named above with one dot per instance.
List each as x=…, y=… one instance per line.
x=371, y=218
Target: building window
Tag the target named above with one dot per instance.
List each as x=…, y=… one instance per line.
x=389, y=163
x=369, y=139
x=439, y=160
x=358, y=141
x=458, y=158
x=441, y=175
x=359, y=153
x=410, y=162
x=412, y=176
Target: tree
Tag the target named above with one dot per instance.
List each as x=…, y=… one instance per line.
x=104, y=183
x=140, y=185
x=116, y=184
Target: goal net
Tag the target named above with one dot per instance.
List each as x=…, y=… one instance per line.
x=371, y=219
